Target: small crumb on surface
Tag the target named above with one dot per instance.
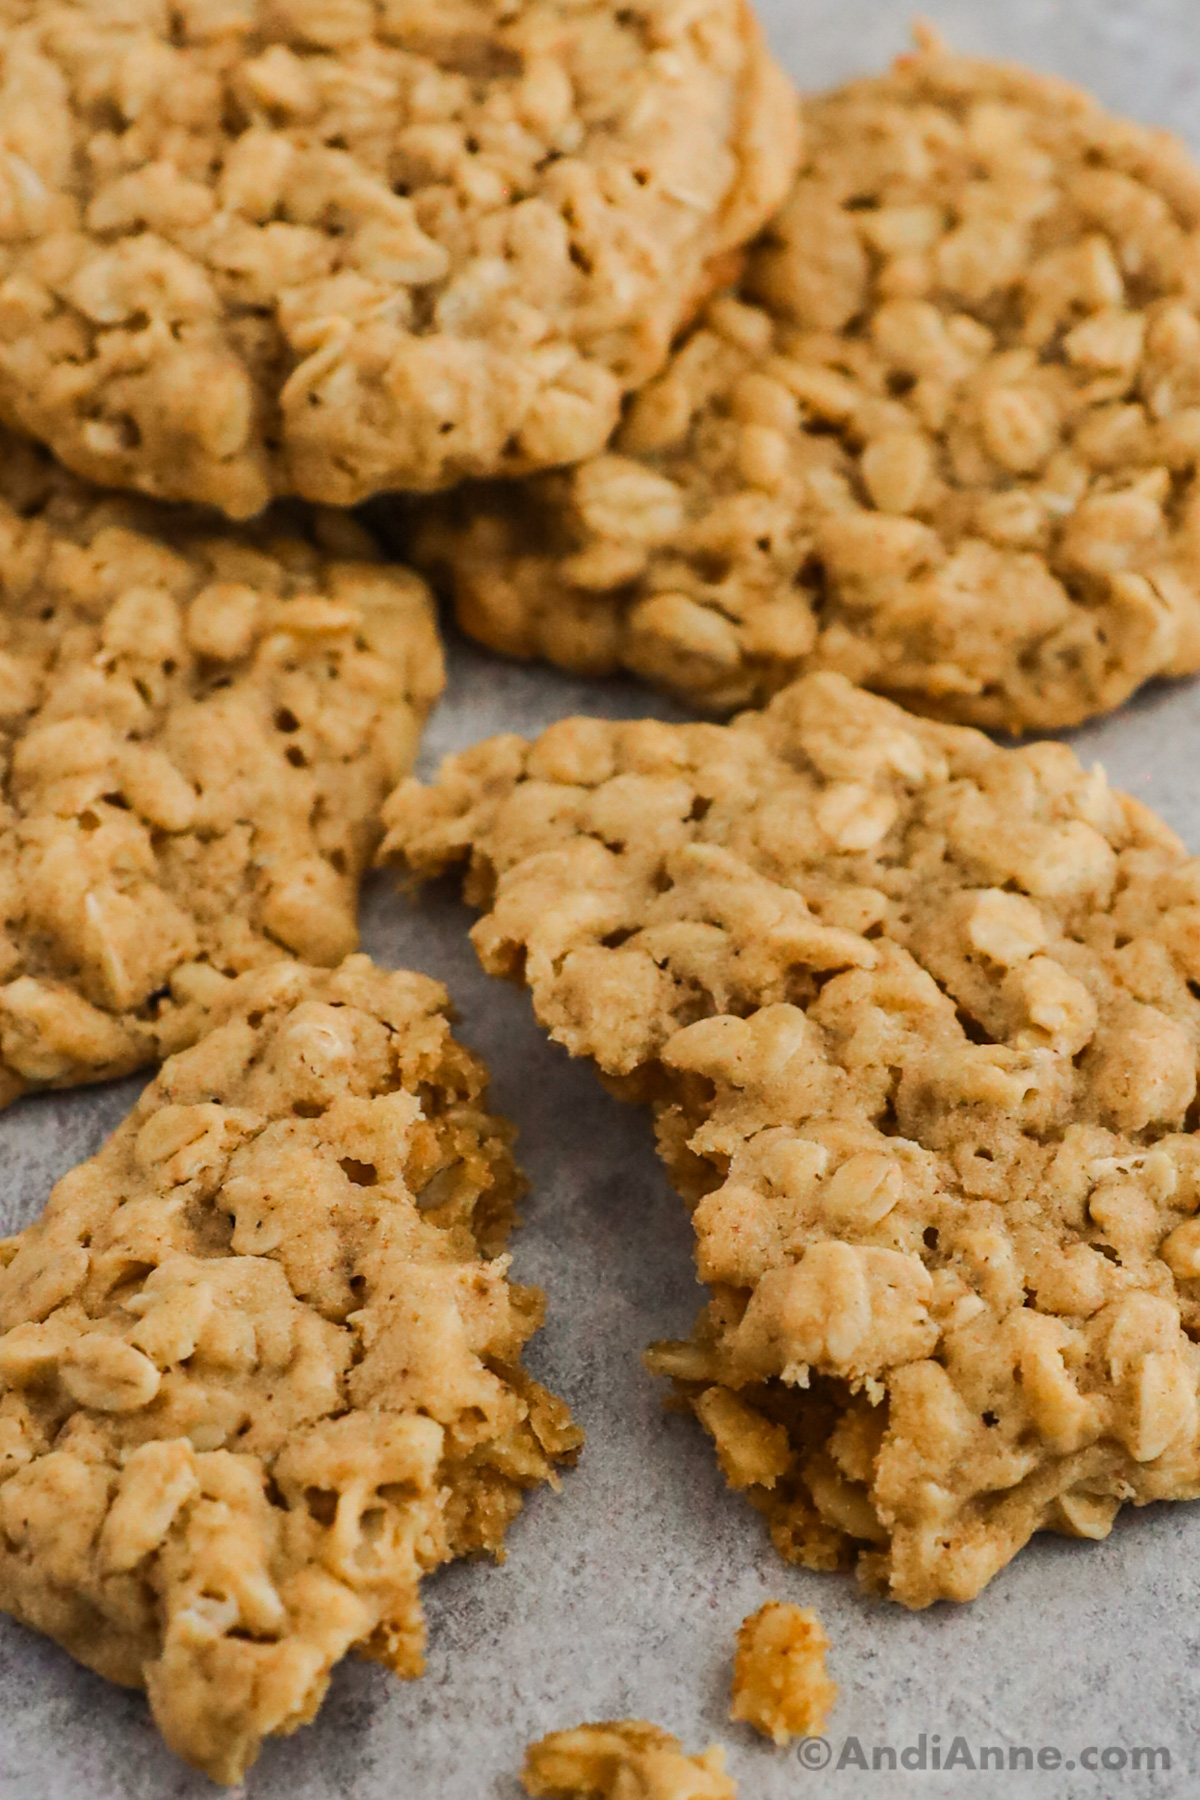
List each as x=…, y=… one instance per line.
x=779, y=1681
x=623, y=1759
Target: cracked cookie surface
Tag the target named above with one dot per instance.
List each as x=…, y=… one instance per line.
x=331, y=247
x=260, y=1361
x=198, y=726
x=917, y=1018
x=942, y=440
x=623, y=1759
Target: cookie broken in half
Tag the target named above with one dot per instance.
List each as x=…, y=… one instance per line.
x=917, y=1019
x=260, y=1361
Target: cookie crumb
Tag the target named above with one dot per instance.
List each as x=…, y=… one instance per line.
x=779, y=1681
x=623, y=1759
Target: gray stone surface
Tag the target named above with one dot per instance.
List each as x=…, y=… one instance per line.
x=622, y=1594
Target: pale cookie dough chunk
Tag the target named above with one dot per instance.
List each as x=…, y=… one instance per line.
x=779, y=1681
x=918, y=1020
x=943, y=440
x=261, y=1363
x=329, y=247
x=197, y=727
x=623, y=1759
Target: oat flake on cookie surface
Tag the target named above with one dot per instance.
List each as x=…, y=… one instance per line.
x=198, y=725
x=328, y=247
x=261, y=1363
x=917, y=1018
x=623, y=1759
x=942, y=440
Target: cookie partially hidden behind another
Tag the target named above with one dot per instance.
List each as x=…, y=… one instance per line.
x=332, y=247
x=942, y=440
x=623, y=1759
x=198, y=726
x=917, y=1018
x=260, y=1364
x=779, y=1681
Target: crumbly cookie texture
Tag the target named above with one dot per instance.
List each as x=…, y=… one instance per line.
x=260, y=1364
x=198, y=726
x=917, y=1018
x=329, y=247
x=623, y=1759
x=943, y=440
x=779, y=1681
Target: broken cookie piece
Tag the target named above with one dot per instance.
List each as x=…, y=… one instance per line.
x=260, y=1365
x=942, y=439
x=623, y=1759
x=332, y=250
x=917, y=1019
x=779, y=1681
x=198, y=726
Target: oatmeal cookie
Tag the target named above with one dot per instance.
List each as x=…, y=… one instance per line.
x=943, y=439
x=918, y=1020
x=329, y=247
x=779, y=1681
x=623, y=1759
x=260, y=1365
x=198, y=726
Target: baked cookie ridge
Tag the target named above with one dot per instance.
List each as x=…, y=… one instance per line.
x=260, y=1361
x=333, y=250
x=916, y=1018
x=942, y=438
x=198, y=724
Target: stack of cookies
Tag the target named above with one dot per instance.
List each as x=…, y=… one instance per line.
x=878, y=415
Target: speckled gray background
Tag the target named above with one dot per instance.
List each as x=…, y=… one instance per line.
x=622, y=1594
